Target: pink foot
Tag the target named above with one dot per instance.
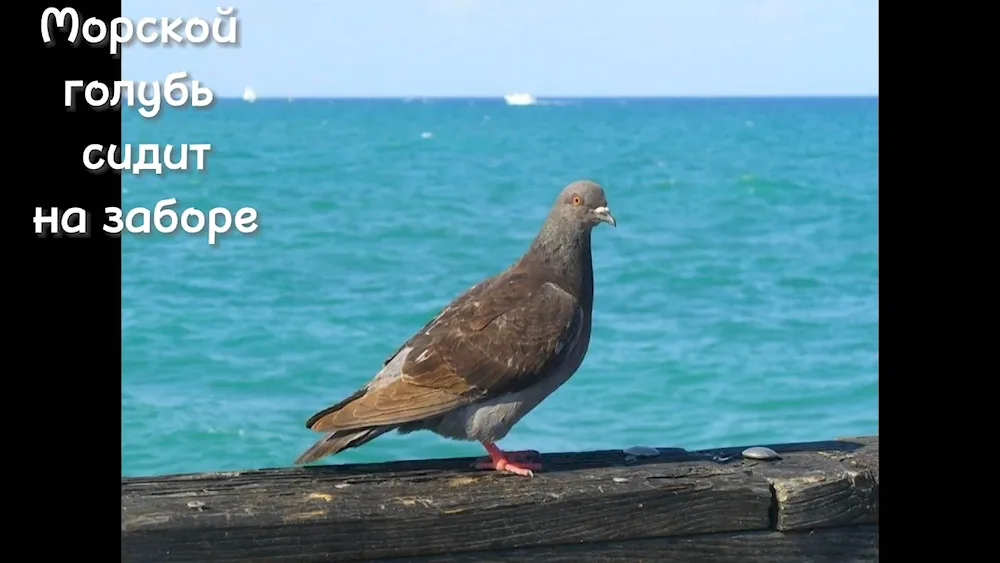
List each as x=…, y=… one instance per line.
x=524, y=468
x=524, y=455
x=510, y=462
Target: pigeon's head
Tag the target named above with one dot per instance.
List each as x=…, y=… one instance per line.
x=584, y=201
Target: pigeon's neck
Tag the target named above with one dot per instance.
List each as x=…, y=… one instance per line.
x=564, y=255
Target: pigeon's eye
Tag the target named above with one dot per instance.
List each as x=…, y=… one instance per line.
x=577, y=200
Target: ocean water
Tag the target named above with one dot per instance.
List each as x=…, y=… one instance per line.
x=736, y=302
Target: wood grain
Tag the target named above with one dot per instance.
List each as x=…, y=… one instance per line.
x=848, y=544
x=685, y=503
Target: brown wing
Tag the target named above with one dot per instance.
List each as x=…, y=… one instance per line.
x=499, y=337
x=448, y=311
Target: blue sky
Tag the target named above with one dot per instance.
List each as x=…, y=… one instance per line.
x=547, y=47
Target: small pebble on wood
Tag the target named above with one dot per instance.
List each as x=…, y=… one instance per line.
x=620, y=479
x=761, y=453
x=642, y=451
x=196, y=505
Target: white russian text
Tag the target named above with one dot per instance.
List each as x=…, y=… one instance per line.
x=162, y=219
x=224, y=29
x=147, y=157
x=72, y=221
x=176, y=90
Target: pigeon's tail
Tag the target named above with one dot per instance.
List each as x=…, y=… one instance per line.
x=336, y=442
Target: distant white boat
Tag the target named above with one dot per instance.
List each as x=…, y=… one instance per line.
x=249, y=95
x=520, y=99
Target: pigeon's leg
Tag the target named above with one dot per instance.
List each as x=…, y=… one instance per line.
x=501, y=461
x=523, y=455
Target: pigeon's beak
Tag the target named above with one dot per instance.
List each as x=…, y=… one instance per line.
x=604, y=214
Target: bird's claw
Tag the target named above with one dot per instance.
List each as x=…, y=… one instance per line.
x=523, y=468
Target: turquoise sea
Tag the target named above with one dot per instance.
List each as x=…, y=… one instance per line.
x=736, y=302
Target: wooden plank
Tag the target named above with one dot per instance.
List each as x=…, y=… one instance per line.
x=821, y=484
x=446, y=508
x=850, y=544
x=310, y=513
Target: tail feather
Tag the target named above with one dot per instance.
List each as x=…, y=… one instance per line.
x=332, y=409
x=336, y=442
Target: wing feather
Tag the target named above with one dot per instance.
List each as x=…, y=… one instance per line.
x=499, y=337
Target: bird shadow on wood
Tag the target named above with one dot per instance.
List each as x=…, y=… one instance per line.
x=572, y=461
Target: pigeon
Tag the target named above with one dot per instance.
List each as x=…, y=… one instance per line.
x=493, y=354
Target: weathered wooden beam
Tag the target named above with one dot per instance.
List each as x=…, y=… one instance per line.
x=825, y=488
x=846, y=544
x=820, y=501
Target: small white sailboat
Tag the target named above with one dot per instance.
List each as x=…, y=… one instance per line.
x=520, y=99
x=249, y=95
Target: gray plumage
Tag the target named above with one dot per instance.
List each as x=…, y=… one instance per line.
x=494, y=353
